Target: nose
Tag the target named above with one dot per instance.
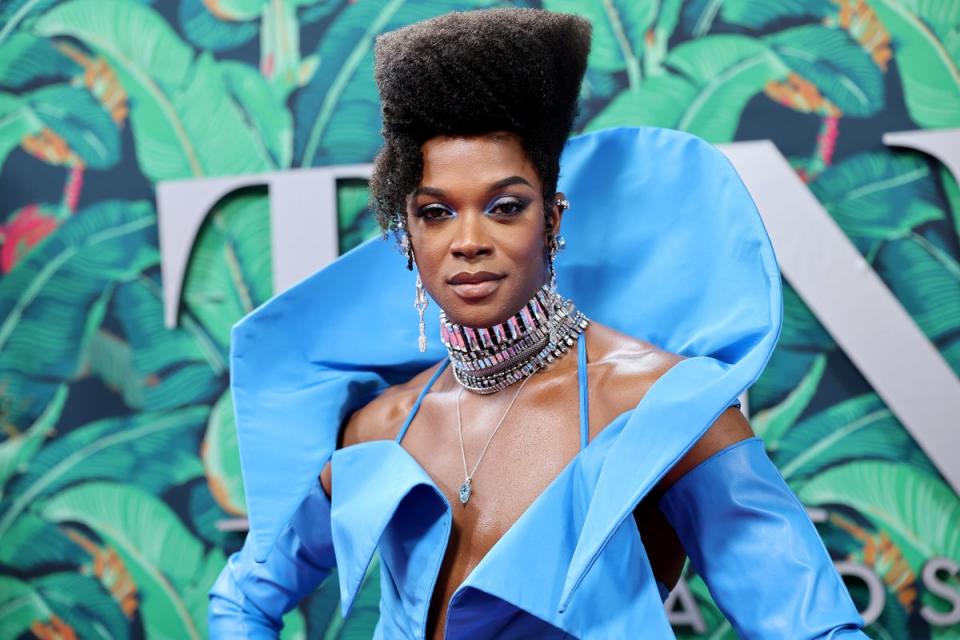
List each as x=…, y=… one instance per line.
x=471, y=240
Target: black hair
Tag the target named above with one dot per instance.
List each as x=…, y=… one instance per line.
x=472, y=73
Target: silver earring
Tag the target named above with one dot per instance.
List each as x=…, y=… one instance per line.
x=420, y=303
x=563, y=203
x=554, y=249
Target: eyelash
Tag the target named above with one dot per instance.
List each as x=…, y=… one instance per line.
x=517, y=206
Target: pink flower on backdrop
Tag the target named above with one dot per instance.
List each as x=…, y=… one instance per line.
x=26, y=228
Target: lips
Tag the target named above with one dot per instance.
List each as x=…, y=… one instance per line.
x=476, y=285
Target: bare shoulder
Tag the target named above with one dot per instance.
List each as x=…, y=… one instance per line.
x=624, y=369
x=621, y=370
x=382, y=417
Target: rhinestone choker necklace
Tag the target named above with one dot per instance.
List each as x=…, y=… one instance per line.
x=486, y=360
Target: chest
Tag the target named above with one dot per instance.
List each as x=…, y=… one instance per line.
x=510, y=466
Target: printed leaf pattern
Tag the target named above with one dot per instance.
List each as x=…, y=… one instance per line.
x=118, y=452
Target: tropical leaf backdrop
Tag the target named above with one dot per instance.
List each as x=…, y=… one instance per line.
x=118, y=455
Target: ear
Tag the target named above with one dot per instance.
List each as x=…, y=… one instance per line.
x=556, y=211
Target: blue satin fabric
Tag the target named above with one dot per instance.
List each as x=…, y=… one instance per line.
x=665, y=244
x=751, y=540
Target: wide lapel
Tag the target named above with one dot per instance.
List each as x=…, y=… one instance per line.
x=370, y=482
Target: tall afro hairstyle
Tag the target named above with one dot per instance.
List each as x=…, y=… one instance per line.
x=472, y=73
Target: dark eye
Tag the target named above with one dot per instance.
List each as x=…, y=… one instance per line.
x=508, y=207
x=434, y=212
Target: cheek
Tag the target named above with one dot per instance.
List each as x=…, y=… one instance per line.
x=429, y=253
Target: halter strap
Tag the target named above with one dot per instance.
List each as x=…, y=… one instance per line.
x=423, y=394
x=583, y=389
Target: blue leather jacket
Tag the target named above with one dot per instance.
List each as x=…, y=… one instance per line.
x=689, y=267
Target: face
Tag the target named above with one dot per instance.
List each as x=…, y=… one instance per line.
x=476, y=223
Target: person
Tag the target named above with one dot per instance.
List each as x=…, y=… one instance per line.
x=547, y=477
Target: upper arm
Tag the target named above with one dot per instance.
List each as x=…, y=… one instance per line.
x=380, y=419
x=666, y=553
x=729, y=428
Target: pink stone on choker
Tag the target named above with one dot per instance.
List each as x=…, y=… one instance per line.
x=488, y=359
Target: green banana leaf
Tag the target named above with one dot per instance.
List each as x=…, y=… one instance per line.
x=230, y=272
x=926, y=280
x=16, y=451
x=952, y=192
x=930, y=79
x=860, y=428
x=169, y=566
x=280, y=59
x=20, y=606
x=803, y=341
x=916, y=509
x=203, y=513
x=836, y=64
x=52, y=302
x=83, y=604
x=801, y=329
x=355, y=221
x=32, y=544
x=272, y=122
x=656, y=43
x=876, y=196
x=26, y=58
x=337, y=114
x=177, y=367
x=294, y=626
x=784, y=371
x=78, y=118
x=715, y=78
x=20, y=14
x=221, y=32
x=16, y=121
x=184, y=121
x=772, y=423
x=152, y=451
x=111, y=359
x=221, y=458
x=322, y=606
x=700, y=15
x=78, y=601
x=619, y=31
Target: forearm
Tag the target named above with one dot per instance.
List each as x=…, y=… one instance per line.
x=249, y=598
x=752, y=542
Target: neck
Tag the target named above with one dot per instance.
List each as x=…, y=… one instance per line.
x=488, y=359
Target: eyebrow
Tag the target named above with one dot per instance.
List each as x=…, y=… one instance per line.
x=499, y=184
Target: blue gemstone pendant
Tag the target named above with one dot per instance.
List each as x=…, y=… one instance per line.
x=465, y=491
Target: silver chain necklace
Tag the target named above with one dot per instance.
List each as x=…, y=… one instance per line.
x=466, y=489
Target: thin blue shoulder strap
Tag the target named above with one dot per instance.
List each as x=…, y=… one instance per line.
x=582, y=382
x=423, y=394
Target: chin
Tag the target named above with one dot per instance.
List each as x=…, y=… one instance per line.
x=479, y=313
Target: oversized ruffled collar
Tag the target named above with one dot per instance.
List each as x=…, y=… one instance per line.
x=664, y=244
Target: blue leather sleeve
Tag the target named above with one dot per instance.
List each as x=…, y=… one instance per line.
x=249, y=599
x=752, y=542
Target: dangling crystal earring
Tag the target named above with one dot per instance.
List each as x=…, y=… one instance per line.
x=557, y=244
x=420, y=303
